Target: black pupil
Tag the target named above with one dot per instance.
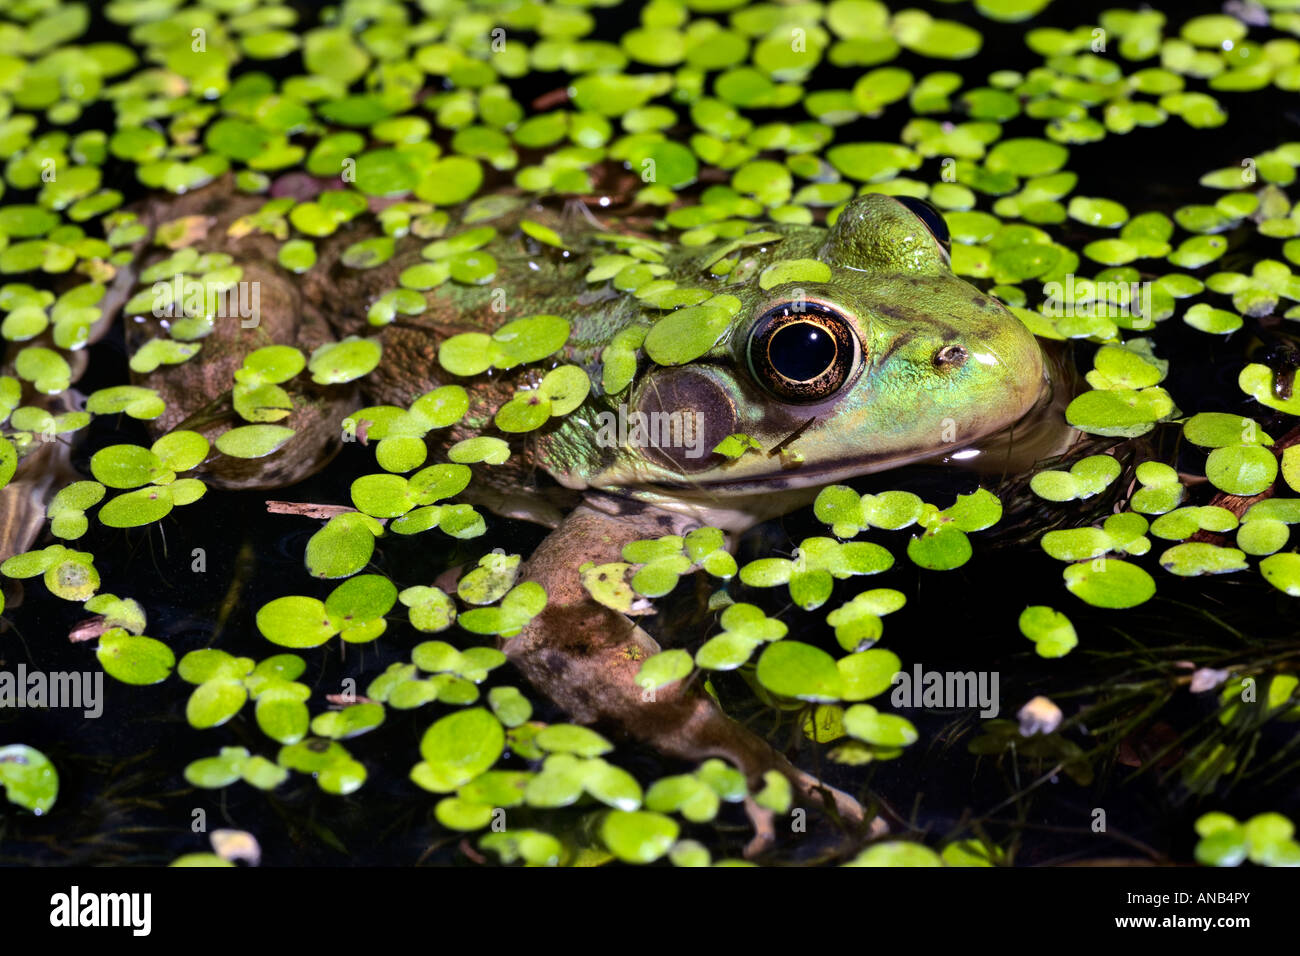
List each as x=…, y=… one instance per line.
x=801, y=351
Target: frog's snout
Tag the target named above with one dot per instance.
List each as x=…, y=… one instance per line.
x=1020, y=366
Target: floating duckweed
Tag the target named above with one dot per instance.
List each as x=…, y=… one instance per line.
x=1245, y=469
x=745, y=628
x=253, y=441
x=28, y=778
x=1213, y=30
x=941, y=39
x=1097, y=212
x=942, y=548
x=1120, y=412
x=1184, y=522
x=1198, y=251
x=518, y=342
x=896, y=853
x=1266, y=839
x=892, y=510
x=686, y=334
x=866, y=674
x=1026, y=157
x=368, y=253
x=1218, y=430
x=1283, y=572
x=484, y=448
x=858, y=622
x=638, y=836
x=297, y=255
x=794, y=270
x=1262, y=536
x=1050, y=630
x=794, y=669
x=134, y=659
x=1086, y=477
x=1110, y=583
x=1160, y=492
x=457, y=748
x=1204, y=318
x=685, y=114
x=1195, y=558
x=344, y=361
x=450, y=181
x=872, y=162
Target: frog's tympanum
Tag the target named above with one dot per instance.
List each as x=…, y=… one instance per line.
x=839, y=351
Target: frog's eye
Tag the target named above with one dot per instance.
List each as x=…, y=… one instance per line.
x=932, y=218
x=804, y=352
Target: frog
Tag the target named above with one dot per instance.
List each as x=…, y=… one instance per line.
x=842, y=349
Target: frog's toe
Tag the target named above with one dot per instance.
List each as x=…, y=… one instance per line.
x=764, y=829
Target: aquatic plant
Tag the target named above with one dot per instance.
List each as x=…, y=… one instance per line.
x=710, y=121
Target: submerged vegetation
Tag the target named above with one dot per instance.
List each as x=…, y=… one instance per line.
x=335, y=669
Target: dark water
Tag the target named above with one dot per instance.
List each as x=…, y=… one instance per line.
x=122, y=798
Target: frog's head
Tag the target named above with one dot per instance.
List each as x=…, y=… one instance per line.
x=888, y=359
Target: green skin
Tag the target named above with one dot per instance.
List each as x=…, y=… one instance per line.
x=905, y=400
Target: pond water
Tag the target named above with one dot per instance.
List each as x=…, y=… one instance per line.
x=1137, y=746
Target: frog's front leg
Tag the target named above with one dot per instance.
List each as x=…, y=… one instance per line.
x=586, y=656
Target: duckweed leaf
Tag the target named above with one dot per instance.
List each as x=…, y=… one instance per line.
x=1051, y=631
x=897, y=853
x=940, y=549
x=342, y=547
x=1119, y=413
x=1194, y=558
x=1110, y=583
x=1283, y=572
x=878, y=729
x=344, y=361
x=638, y=836
x=1160, y=492
x=1241, y=469
x=253, y=441
x=28, y=778
x=795, y=669
x=1086, y=478
x=664, y=668
x=459, y=747
x=867, y=673
x=295, y=621
x=511, y=707
x=134, y=659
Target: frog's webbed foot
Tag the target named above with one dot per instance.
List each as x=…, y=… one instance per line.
x=586, y=656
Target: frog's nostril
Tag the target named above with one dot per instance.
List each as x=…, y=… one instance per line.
x=951, y=356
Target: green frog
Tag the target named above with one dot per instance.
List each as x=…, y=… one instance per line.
x=835, y=352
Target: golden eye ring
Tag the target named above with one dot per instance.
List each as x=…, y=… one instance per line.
x=804, y=352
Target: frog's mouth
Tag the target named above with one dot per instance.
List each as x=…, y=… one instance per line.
x=1005, y=448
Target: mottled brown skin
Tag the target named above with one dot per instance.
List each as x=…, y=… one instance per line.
x=197, y=392
x=325, y=304
x=46, y=466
